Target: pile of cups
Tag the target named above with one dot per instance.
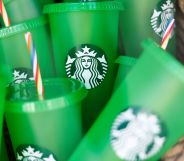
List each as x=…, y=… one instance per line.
x=104, y=97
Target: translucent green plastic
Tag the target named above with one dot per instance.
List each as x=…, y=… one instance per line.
x=14, y=51
x=139, y=20
x=92, y=25
x=125, y=64
x=53, y=124
x=155, y=86
x=5, y=77
x=22, y=10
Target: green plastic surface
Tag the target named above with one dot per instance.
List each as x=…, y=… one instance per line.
x=155, y=85
x=14, y=52
x=90, y=24
x=138, y=20
x=53, y=123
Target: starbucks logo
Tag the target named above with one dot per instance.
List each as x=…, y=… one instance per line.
x=33, y=153
x=137, y=135
x=88, y=64
x=21, y=75
x=162, y=17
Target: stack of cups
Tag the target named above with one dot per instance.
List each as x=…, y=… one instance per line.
x=139, y=121
x=85, y=41
x=48, y=129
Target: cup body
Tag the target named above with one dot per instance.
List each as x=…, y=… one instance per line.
x=14, y=51
x=21, y=10
x=125, y=64
x=85, y=50
x=51, y=127
x=139, y=122
x=145, y=19
x=5, y=77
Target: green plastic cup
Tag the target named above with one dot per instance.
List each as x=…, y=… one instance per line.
x=85, y=48
x=48, y=128
x=22, y=10
x=145, y=19
x=144, y=117
x=125, y=63
x=14, y=51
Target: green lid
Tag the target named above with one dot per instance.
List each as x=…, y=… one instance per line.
x=59, y=92
x=23, y=27
x=164, y=57
x=126, y=60
x=83, y=6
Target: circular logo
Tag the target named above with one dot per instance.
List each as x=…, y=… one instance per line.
x=33, y=153
x=88, y=64
x=162, y=17
x=137, y=135
x=22, y=75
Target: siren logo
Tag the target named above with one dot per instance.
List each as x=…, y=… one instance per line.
x=21, y=75
x=33, y=153
x=162, y=16
x=137, y=135
x=88, y=64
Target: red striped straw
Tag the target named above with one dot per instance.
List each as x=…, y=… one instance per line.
x=35, y=66
x=31, y=51
x=4, y=14
x=167, y=34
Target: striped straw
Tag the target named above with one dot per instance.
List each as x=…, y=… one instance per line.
x=167, y=34
x=31, y=51
x=4, y=14
x=34, y=62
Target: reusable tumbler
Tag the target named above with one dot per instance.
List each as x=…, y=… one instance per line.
x=144, y=117
x=125, y=63
x=22, y=10
x=14, y=51
x=85, y=48
x=49, y=128
x=145, y=19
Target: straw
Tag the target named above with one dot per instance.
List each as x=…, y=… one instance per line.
x=35, y=66
x=167, y=34
x=4, y=14
x=31, y=51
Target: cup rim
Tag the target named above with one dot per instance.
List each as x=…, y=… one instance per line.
x=126, y=60
x=164, y=57
x=83, y=6
x=55, y=103
x=22, y=27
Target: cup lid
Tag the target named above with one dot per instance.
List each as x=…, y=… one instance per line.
x=59, y=92
x=83, y=6
x=170, y=62
x=23, y=27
